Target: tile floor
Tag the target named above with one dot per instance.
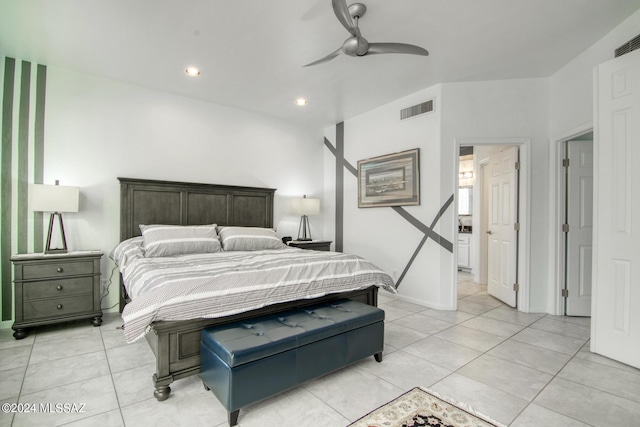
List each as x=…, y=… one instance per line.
x=521, y=369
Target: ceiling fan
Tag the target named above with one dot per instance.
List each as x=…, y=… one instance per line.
x=356, y=45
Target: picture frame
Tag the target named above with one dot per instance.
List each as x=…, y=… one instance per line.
x=390, y=180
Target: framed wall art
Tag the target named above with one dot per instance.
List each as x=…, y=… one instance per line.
x=389, y=180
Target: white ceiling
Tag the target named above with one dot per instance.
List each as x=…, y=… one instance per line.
x=251, y=52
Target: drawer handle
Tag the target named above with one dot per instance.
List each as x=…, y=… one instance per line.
x=59, y=269
x=59, y=307
x=59, y=287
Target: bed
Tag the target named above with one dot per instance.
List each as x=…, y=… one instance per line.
x=176, y=343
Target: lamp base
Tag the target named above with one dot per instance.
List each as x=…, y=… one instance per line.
x=56, y=251
x=48, y=249
x=304, y=231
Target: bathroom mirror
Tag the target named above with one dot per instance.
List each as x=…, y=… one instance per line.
x=465, y=200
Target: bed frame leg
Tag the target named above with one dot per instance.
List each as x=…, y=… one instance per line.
x=162, y=393
x=233, y=417
x=378, y=357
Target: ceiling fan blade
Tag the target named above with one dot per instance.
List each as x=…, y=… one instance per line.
x=341, y=10
x=376, y=48
x=327, y=58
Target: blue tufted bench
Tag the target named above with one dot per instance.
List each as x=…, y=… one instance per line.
x=247, y=361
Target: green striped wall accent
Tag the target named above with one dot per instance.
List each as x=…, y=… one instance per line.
x=22, y=92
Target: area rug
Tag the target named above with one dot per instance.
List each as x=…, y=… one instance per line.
x=424, y=407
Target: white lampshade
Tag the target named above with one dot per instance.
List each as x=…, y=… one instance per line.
x=53, y=198
x=304, y=206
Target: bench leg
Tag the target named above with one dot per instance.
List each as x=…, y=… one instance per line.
x=233, y=417
x=378, y=357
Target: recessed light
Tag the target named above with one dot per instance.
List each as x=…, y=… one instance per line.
x=192, y=71
x=301, y=102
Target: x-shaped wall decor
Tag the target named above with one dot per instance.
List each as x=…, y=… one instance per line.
x=427, y=230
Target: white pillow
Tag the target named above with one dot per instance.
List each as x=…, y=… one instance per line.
x=249, y=239
x=171, y=240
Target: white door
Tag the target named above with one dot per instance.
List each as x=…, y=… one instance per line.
x=615, y=321
x=502, y=217
x=580, y=220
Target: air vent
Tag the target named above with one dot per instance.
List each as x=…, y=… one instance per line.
x=629, y=46
x=415, y=110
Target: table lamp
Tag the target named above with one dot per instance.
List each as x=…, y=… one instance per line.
x=304, y=207
x=55, y=199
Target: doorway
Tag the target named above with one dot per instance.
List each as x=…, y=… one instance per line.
x=512, y=279
x=577, y=225
x=570, y=253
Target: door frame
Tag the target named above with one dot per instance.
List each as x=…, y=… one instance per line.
x=524, y=211
x=481, y=272
x=555, y=303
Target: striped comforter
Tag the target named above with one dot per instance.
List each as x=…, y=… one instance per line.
x=221, y=284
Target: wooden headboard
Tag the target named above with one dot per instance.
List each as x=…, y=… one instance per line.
x=145, y=201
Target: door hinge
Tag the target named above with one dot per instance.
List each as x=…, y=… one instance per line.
x=517, y=166
x=565, y=293
x=516, y=226
x=565, y=163
x=516, y=287
x=565, y=228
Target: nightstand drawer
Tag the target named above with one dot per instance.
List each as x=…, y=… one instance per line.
x=57, y=307
x=70, y=268
x=57, y=288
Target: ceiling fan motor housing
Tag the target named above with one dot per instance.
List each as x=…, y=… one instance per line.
x=355, y=46
x=357, y=10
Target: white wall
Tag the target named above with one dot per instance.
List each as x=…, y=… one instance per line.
x=571, y=112
x=97, y=130
x=482, y=110
x=571, y=88
x=498, y=111
x=380, y=234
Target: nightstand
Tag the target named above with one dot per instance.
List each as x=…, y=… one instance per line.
x=315, y=245
x=53, y=288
